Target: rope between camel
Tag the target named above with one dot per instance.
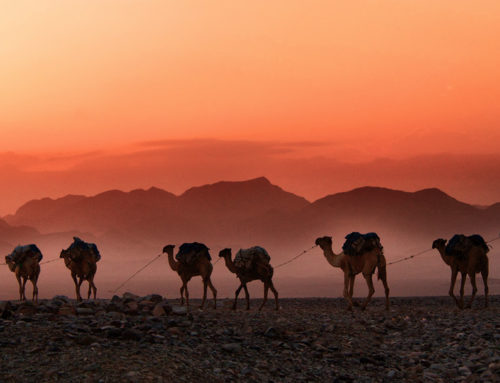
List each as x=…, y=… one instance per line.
x=49, y=261
x=410, y=257
x=137, y=272
x=296, y=257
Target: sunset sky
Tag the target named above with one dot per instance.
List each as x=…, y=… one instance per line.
x=132, y=94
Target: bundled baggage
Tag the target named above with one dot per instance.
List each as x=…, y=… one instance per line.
x=79, y=248
x=21, y=253
x=246, y=258
x=190, y=252
x=357, y=244
x=459, y=245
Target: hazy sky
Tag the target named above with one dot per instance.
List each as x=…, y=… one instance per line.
x=343, y=80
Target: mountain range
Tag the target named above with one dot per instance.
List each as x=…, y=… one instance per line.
x=246, y=213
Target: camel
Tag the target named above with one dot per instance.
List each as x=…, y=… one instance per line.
x=352, y=265
x=473, y=262
x=259, y=270
x=201, y=266
x=81, y=258
x=24, y=261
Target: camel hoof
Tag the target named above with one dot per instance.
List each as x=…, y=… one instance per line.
x=355, y=304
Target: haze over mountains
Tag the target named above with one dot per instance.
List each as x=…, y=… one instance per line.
x=133, y=226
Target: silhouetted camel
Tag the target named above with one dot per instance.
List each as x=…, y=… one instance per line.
x=258, y=270
x=201, y=265
x=365, y=263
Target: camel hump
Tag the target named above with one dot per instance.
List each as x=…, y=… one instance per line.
x=479, y=241
x=189, y=252
x=80, y=248
x=246, y=258
x=21, y=253
x=357, y=244
x=458, y=246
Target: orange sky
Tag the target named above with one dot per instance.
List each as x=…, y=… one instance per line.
x=339, y=80
x=104, y=73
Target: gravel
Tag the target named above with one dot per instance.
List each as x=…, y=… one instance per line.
x=151, y=339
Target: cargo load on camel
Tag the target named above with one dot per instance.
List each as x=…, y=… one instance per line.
x=190, y=252
x=459, y=245
x=246, y=258
x=78, y=248
x=20, y=253
x=357, y=244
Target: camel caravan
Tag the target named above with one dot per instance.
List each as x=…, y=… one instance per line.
x=361, y=253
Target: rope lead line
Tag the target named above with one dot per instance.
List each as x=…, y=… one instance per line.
x=410, y=257
x=50, y=261
x=137, y=272
x=296, y=257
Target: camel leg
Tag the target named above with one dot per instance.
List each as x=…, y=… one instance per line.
x=275, y=292
x=387, y=290
x=77, y=287
x=214, y=292
x=484, y=274
x=347, y=279
x=247, y=296
x=20, y=283
x=472, y=277
x=351, y=291
x=80, y=282
x=182, y=294
x=90, y=290
x=94, y=287
x=204, y=293
x=462, y=288
x=236, y=296
x=24, y=287
x=35, y=290
x=452, y=287
x=371, y=290
x=187, y=295
x=266, y=289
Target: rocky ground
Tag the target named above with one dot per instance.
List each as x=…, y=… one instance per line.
x=149, y=339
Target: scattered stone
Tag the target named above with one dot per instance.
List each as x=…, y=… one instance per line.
x=231, y=347
x=67, y=310
x=140, y=339
x=84, y=311
x=179, y=310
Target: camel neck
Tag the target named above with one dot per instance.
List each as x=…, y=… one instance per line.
x=173, y=264
x=446, y=258
x=332, y=258
x=230, y=264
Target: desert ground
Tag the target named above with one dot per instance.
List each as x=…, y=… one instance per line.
x=151, y=339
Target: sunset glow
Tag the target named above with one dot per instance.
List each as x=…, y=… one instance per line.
x=338, y=81
x=106, y=73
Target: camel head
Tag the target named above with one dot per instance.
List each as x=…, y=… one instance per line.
x=225, y=252
x=439, y=243
x=64, y=254
x=10, y=263
x=169, y=249
x=324, y=242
